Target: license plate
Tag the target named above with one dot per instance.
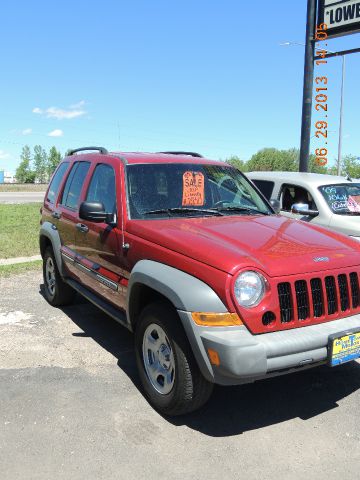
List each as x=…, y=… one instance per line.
x=344, y=347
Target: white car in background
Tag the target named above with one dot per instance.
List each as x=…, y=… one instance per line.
x=326, y=200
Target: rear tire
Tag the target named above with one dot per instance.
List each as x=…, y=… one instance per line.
x=170, y=376
x=57, y=292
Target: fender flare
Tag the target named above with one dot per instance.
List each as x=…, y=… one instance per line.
x=184, y=291
x=50, y=231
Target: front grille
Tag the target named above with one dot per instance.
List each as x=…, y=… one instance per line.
x=331, y=295
x=344, y=293
x=302, y=299
x=354, y=282
x=286, y=308
x=318, y=297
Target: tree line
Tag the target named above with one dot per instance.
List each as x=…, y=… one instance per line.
x=37, y=166
x=272, y=159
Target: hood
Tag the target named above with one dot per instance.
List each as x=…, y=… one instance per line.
x=275, y=244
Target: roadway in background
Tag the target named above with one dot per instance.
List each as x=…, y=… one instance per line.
x=21, y=197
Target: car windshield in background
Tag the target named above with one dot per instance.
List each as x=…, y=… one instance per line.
x=197, y=190
x=343, y=199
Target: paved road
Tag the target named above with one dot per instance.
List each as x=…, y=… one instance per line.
x=71, y=408
x=21, y=197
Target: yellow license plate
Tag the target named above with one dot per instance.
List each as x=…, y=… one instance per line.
x=344, y=348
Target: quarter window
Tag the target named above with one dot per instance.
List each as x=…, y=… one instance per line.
x=265, y=186
x=102, y=187
x=55, y=182
x=74, y=184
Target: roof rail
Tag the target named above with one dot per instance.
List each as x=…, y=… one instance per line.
x=192, y=154
x=100, y=149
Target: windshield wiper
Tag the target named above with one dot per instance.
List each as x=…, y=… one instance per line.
x=248, y=210
x=170, y=211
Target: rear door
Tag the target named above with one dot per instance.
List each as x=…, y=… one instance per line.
x=68, y=212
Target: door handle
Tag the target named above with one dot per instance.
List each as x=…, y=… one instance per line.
x=82, y=228
x=56, y=215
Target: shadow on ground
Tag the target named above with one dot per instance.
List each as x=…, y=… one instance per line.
x=231, y=410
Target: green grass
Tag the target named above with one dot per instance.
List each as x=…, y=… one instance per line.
x=22, y=187
x=7, y=270
x=19, y=230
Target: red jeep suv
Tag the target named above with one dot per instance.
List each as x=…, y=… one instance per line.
x=188, y=254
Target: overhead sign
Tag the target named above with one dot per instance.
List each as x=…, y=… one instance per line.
x=341, y=17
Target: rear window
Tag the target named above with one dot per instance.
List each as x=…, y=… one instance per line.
x=74, y=184
x=56, y=181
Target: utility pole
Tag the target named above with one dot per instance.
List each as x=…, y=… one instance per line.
x=308, y=86
x=341, y=117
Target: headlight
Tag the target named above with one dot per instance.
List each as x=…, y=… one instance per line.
x=355, y=238
x=249, y=288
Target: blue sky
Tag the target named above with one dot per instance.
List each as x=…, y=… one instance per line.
x=207, y=76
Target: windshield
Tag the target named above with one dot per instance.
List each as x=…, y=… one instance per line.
x=175, y=190
x=343, y=199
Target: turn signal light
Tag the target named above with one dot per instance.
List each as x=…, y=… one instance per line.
x=214, y=356
x=216, y=319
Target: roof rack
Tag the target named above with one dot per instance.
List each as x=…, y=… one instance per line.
x=99, y=149
x=192, y=154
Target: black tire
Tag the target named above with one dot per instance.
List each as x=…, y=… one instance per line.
x=59, y=293
x=190, y=390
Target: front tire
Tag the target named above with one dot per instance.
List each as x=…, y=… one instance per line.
x=57, y=292
x=171, y=379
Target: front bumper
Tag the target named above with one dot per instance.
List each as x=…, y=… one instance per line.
x=245, y=358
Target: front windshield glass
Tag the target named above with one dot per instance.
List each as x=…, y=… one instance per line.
x=343, y=199
x=176, y=190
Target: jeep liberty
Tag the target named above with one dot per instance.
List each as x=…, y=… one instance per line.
x=186, y=253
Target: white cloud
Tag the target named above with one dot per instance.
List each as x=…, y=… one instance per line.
x=73, y=111
x=27, y=131
x=56, y=133
x=80, y=104
x=60, y=113
x=4, y=154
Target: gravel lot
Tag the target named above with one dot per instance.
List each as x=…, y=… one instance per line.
x=71, y=408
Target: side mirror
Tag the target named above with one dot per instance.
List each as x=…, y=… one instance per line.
x=93, y=212
x=303, y=209
x=274, y=202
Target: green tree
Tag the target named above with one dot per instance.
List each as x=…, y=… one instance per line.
x=236, y=162
x=53, y=160
x=24, y=173
x=270, y=159
x=351, y=166
x=40, y=162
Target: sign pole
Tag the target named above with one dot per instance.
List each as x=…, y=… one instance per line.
x=308, y=86
x=341, y=117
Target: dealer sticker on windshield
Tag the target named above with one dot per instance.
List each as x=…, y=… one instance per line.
x=193, y=189
x=344, y=348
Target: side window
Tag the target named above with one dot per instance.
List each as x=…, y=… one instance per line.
x=102, y=187
x=265, y=186
x=291, y=194
x=55, y=182
x=73, y=185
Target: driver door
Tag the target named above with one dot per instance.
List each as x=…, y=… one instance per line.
x=98, y=245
